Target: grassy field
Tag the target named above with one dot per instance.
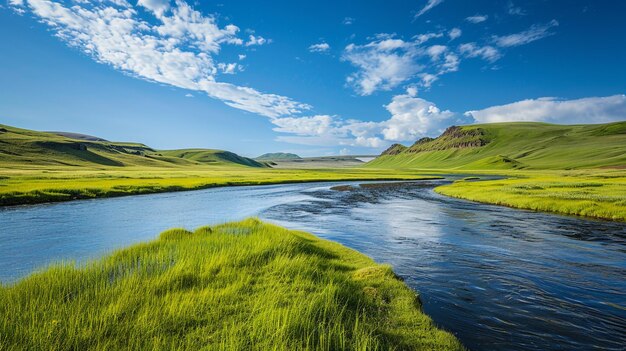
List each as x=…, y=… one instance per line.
x=590, y=193
x=237, y=286
x=19, y=186
x=40, y=167
x=519, y=145
x=568, y=169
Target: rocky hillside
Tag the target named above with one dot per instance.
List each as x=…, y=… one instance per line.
x=519, y=145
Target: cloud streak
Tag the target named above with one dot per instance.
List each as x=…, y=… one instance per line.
x=534, y=33
x=178, y=48
x=429, y=5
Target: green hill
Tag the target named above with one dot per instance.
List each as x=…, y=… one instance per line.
x=28, y=148
x=207, y=156
x=278, y=156
x=518, y=145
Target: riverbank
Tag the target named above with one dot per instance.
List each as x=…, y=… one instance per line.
x=597, y=194
x=234, y=286
x=31, y=186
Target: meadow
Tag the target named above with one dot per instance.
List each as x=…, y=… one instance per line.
x=590, y=193
x=40, y=167
x=28, y=186
x=237, y=286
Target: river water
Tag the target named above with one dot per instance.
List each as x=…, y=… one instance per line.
x=498, y=278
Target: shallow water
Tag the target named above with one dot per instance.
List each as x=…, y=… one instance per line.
x=498, y=278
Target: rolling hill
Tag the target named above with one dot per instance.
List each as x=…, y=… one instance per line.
x=277, y=156
x=28, y=148
x=517, y=145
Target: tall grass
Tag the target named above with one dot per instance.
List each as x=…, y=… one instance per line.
x=594, y=194
x=237, y=286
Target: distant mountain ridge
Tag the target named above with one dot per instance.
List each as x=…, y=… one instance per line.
x=78, y=136
x=25, y=147
x=278, y=156
x=515, y=145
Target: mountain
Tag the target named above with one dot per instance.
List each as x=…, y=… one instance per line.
x=516, y=145
x=278, y=156
x=28, y=148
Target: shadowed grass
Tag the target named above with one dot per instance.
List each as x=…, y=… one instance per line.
x=238, y=286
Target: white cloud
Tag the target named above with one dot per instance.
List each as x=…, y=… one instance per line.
x=386, y=62
x=320, y=47
x=189, y=95
x=177, y=50
x=535, y=32
x=477, y=18
x=413, y=117
x=257, y=40
x=158, y=7
x=242, y=57
x=304, y=126
x=429, y=5
x=552, y=110
x=344, y=152
x=488, y=53
x=348, y=21
x=228, y=68
x=454, y=33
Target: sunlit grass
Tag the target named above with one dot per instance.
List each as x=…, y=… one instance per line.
x=20, y=186
x=238, y=286
x=592, y=193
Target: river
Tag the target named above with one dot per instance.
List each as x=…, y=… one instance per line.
x=498, y=278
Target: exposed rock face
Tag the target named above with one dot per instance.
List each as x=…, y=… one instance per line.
x=453, y=138
x=423, y=140
x=394, y=149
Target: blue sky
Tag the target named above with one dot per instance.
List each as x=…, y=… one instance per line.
x=315, y=78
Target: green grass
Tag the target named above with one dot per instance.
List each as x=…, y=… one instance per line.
x=597, y=194
x=29, y=149
x=520, y=145
x=238, y=286
x=19, y=186
x=40, y=167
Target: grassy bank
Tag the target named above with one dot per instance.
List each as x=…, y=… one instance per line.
x=591, y=193
x=238, y=286
x=28, y=186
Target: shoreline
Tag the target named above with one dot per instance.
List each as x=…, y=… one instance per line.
x=242, y=283
x=41, y=197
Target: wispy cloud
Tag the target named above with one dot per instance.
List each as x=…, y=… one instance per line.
x=454, y=33
x=320, y=47
x=386, y=62
x=515, y=10
x=347, y=21
x=534, y=33
x=429, y=5
x=179, y=46
x=488, y=53
x=553, y=110
x=477, y=18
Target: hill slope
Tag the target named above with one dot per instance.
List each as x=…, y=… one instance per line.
x=518, y=145
x=28, y=148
